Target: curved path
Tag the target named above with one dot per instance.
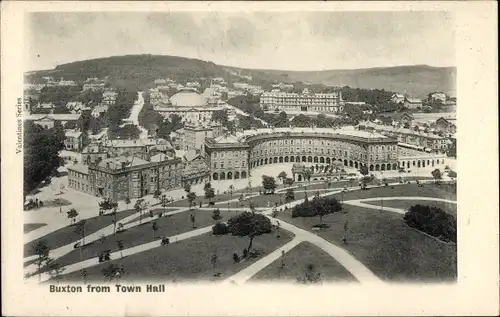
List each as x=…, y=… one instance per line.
x=361, y=202
x=355, y=267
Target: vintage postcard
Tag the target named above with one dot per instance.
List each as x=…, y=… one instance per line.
x=241, y=158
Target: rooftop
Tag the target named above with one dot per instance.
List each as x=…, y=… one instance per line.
x=121, y=162
x=347, y=131
x=56, y=117
x=79, y=168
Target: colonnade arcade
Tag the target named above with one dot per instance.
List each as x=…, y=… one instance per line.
x=321, y=160
x=229, y=175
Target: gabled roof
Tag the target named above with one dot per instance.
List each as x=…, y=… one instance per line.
x=228, y=138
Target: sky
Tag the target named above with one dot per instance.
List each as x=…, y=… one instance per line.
x=258, y=40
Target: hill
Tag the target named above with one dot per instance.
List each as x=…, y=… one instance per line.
x=141, y=70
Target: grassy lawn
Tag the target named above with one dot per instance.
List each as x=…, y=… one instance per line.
x=406, y=204
x=187, y=260
x=146, y=215
x=167, y=226
x=185, y=202
x=68, y=235
x=386, y=245
x=428, y=190
x=56, y=202
x=33, y=226
x=295, y=264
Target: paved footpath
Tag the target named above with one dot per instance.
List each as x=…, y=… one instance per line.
x=126, y=252
x=361, y=202
x=356, y=268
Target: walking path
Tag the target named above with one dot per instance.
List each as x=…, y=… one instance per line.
x=361, y=202
x=355, y=267
x=126, y=252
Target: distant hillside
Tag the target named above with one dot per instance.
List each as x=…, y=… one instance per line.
x=416, y=80
x=141, y=70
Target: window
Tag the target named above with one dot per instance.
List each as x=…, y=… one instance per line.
x=221, y=165
x=215, y=165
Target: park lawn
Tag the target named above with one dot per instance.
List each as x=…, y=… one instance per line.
x=146, y=215
x=68, y=235
x=167, y=226
x=386, y=245
x=406, y=204
x=428, y=190
x=204, y=201
x=187, y=260
x=57, y=202
x=33, y=226
x=296, y=261
x=264, y=201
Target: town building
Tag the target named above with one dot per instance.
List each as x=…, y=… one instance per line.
x=412, y=103
x=127, y=176
x=141, y=148
x=74, y=140
x=444, y=126
x=48, y=120
x=227, y=157
x=93, y=153
x=437, y=97
x=320, y=102
x=398, y=98
x=190, y=106
x=109, y=97
x=192, y=136
x=195, y=169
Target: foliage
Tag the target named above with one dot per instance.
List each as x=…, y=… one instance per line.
x=310, y=275
x=318, y=206
x=121, y=110
x=167, y=126
x=72, y=214
x=282, y=175
x=452, y=174
x=436, y=174
x=112, y=271
x=191, y=198
x=107, y=204
x=216, y=214
x=289, y=181
x=187, y=188
x=220, y=228
x=307, y=173
x=269, y=184
x=249, y=224
x=364, y=170
x=41, y=153
x=290, y=195
x=128, y=131
x=220, y=116
x=148, y=117
x=433, y=221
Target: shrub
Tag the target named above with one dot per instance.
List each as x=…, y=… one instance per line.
x=312, y=208
x=220, y=229
x=432, y=221
x=216, y=214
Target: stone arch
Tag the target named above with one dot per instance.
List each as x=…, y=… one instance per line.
x=261, y=161
x=394, y=166
x=377, y=167
x=315, y=159
x=388, y=166
x=265, y=161
x=382, y=167
x=309, y=159
x=236, y=175
x=275, y=160
x=286, y=159
x=243, y=174
x=350, y=163
x=355, y=164
x=371, y=168
x=299, y=178
x=345, y=162
x=229, y=175
x=327, y=160
x=222, y=176
x=281, y=159
x=304, y=159
x=292, y=159
x=432, y=163
x=418, y=163
x=322, y=160
x=407, y=164
x=215, y=176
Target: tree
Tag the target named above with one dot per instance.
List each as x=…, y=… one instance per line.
x=193, y=220
x=127, y=201
x=140, y=206
x=213, y=260
x=216, y=214
x=320, y=205
x=282, y=176
x=209, y=194
x=42, y=251
x=80, y=229
x=269, y=184
x=119, y=244
x=187, y=188
x=191, y=198
x=231, y=189
x=307, y=174
x=364, y=170
x=290, y=195
x=155, y=228
x=436, y=174
x=452, y=174
x=249, y=224
x=157, y=194
x=72, y=214
x=107, y=204
x=164, y=201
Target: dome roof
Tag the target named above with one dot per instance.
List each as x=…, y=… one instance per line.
x=187, y=98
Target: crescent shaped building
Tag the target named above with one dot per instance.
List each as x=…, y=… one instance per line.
x=232, y=157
